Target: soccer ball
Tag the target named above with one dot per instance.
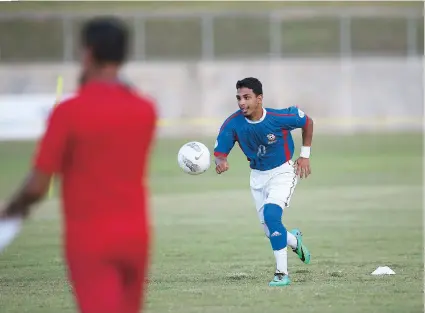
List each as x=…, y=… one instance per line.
x=194, y=158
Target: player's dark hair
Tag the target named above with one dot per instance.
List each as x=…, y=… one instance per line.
x=251, y=83
x=107, y=38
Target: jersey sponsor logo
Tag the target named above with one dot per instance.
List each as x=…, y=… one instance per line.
x=271, y=138
x=301, y=113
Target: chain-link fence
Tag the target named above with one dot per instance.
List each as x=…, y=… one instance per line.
x=53, y=37
x=352, y=69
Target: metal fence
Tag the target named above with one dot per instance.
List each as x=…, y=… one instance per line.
x=305, y=32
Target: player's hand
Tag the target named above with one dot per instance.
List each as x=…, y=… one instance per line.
x=221, y=165
x=9, y=229
x=302, y=166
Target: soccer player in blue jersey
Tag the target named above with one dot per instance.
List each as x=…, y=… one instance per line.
x=264, y=135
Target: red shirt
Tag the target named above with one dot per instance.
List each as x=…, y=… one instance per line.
x=99, y=142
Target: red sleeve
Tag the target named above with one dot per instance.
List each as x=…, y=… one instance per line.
x=52, y=146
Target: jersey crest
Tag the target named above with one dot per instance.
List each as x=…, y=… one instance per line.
x=271, y=138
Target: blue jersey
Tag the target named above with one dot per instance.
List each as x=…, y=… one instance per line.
x=267, y=143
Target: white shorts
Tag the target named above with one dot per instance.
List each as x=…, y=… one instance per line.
x=273, y=186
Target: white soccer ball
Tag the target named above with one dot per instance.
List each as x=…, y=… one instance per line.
x=194, y=158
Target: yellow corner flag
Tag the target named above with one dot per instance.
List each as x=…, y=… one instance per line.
x=59, y=85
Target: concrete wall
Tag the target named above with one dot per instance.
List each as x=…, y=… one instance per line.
x=361, y=94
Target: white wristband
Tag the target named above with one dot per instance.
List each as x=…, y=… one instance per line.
x=305, y=152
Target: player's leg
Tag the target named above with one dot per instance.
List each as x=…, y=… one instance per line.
x=280, y=190
x=292, y=236
x=300, y=248
x=270, y=216
x=257, y=184
x=278, y=240
x=135, y=273
x=259, y=193
x=97, y=285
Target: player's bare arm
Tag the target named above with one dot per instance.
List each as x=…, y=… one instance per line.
x=303, y=169
x=47, y=161
x=33, y=189
x=221, y=165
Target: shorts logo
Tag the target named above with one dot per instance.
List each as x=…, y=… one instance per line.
x=271, y=138
x=276, y=234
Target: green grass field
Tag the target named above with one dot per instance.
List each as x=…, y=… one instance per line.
x=361, y=208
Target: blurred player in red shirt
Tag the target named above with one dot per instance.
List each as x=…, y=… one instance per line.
x=99, y=142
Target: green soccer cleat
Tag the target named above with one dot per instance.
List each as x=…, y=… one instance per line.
x=280, y=280
x=301, y=249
